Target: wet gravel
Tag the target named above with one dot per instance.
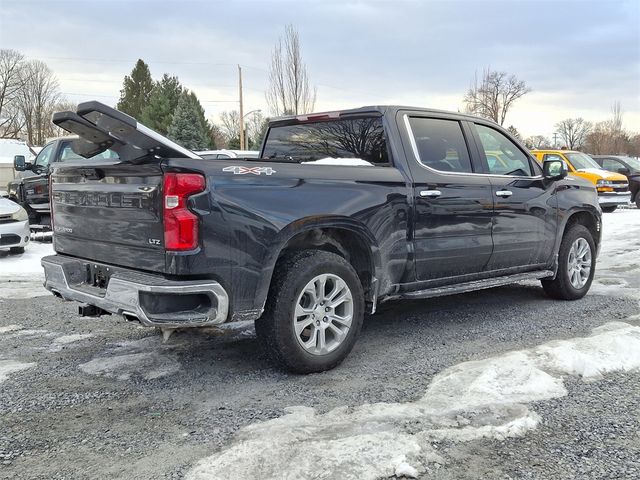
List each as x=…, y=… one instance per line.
x=61, y=419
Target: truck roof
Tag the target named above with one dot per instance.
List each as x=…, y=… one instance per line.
x=382, y=109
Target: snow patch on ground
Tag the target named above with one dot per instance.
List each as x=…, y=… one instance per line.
x=7, y=367
x=60, y=342
x=618, y=265
x=483, y=398
x=21, y=276
x=10, y=328
x=146, y=358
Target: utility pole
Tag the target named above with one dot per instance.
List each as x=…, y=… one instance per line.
x=241, y=108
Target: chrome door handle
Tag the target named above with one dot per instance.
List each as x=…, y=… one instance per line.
x=504, y=193
x=430, y=193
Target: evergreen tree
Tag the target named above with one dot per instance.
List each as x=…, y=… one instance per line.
x=189, y=126
x=158, y=113
x=136, y=90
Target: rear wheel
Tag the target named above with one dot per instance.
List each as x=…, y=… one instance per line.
x=314, y=312
x=576, y=265
x=609, y=209
x=16, y=250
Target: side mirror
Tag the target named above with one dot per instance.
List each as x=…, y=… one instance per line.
x=20, y=163
x=555, y=169
x=624, y=171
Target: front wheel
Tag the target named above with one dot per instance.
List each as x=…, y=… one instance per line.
x=314, y=312
x=609, y=209
x=576, y=265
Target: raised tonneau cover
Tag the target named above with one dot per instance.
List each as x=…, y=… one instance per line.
x=101, y=127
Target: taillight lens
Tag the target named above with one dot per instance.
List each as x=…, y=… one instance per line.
x=180, y=223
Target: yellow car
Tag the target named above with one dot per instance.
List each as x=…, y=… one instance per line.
x=613, y=188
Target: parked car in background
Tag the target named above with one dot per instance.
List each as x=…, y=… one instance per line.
x=31, y=188
x=628, y=166
x=14, y=226
x=215, y=154
x=613, y=188
x=317, y=231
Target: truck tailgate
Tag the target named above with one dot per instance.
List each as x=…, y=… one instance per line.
x=110, y=213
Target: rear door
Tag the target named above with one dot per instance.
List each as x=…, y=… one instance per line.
x=525, y=213
x=453, y=207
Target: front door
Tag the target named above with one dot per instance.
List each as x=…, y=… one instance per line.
x=525, y=218
x=452, y=205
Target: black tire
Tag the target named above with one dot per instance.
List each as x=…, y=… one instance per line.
x=561, y=287
x=276, y=329
x=16, y=250
x=609, y=209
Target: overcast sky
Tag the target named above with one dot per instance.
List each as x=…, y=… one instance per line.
x=577, y=56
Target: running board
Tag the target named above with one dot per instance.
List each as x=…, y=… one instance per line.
x=472, y=286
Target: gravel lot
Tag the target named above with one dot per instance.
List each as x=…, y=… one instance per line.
x=102, y=398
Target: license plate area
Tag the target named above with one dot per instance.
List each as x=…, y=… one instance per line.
x=97, y=275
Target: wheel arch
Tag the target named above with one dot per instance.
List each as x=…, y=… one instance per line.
x=343, y=236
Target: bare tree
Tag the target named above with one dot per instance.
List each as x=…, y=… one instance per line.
x=574, y=131
x=37, y=99
x=494, y=95
x=11, y=82
x=537, y=142
x=289, y=92
x=230, y=124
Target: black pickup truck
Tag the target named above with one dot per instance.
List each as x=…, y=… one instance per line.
x=342, y=211
x=31, y=188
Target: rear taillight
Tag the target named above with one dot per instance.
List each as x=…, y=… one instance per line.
x=180, y=223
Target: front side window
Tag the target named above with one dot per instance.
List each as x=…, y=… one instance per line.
x=44, y=157
x=440, y=144
x=582, y=161
x=612, y=165
x=350, y=138
x=503, y=156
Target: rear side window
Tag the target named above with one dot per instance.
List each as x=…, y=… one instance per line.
x=440, y=144
x=503, y=156
x=350, y=138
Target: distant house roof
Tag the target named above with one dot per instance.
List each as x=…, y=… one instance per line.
x=10, y=147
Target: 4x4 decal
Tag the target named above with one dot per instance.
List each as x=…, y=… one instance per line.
x=238, y=170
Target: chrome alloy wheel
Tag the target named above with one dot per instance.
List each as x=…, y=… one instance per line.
x=323, y=315
x=579, y=263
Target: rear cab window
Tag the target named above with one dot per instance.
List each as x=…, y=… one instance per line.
x=67, y=154
x=440, y=144
x=344, y=141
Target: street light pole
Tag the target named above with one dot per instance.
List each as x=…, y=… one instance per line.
x=241, y=107
x=242, y=135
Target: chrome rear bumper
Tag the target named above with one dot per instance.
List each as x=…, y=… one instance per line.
x=151, y=299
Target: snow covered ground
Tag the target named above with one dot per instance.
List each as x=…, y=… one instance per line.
x=21, y=275
x=485, y=398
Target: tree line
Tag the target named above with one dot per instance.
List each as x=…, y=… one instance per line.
x=29, y=94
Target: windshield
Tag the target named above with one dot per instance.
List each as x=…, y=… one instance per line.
x=581, y=161
x=352, y=138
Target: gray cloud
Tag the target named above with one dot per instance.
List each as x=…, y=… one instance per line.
x=584, y=54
